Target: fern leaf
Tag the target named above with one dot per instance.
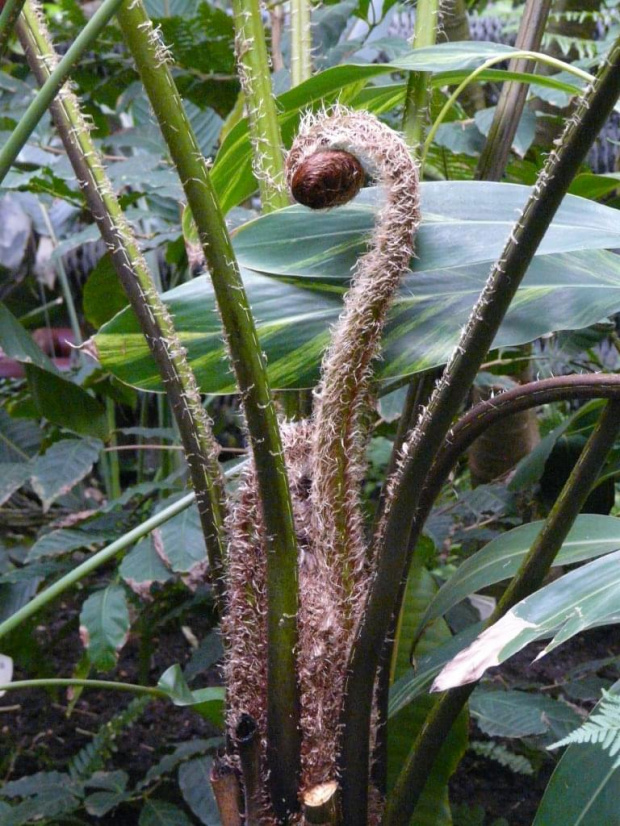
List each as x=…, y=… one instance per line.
x=496, y=751
x=94, y=756
x=601, y=728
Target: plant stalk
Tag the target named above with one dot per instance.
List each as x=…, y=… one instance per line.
x=301, y=42
x=10, y=12
x=227, y=793
x=248, y=745
x=61, y=682
x=536, y=56
x=255, y=77
x=412, y=779
x=418, y=85
x=321, y=806
x=494, y=156
x=51, y=80
x=248, y=363
x=201, y=449
x=392, y=540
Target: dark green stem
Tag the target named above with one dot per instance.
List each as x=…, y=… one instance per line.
x=249, y=366
x=201, y=450
x=401, y=803
x=10, y=12
x=247, y=740
x=477, y=338
x=54, y=79
x=511, y=103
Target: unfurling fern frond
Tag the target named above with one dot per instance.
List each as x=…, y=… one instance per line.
x=602, y=728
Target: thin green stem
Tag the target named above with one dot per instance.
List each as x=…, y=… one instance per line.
x=63, y=278
x=301, y=42
x=100, y=558
x=248, y=363
x=61, y=682
x=93, y=563
x=418, y=84
x=113, y=460
x=402, y=801
x=435, y=422
x=255, y=77
x=535, y=56
x=54, y=80
x=10, y=12
x=201, y=449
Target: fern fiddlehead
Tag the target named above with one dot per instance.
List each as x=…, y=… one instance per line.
x=326, y=167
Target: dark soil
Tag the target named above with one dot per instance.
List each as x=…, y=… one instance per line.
x=479, y=782
x=38, y=734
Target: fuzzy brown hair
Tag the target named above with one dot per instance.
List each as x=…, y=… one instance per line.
x=325, y=456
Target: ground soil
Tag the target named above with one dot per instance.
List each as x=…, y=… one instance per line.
x=36, y=733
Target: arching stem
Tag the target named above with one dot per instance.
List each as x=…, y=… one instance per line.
x=417, y=459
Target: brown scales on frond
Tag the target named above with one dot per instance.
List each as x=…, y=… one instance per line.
x=325, y=456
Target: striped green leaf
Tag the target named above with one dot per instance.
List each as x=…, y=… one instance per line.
x=296, y=263
x=433, y=808
x=446, y=63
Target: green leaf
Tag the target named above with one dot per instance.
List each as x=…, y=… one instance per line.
x=17, y=344
x=183, y=752
x=143, y=566
x=104, y=626
x=113, y=785
x=416, y=682
x=209, y=702
x=180, y=541
x=326, y=244
x=160, y=813
x=447, y=63
x=195, y=785
x=581, y=599
x=12, y=476
x=433, y=808
x=103, y=295
x=65, y=404
x=62, y=466
x=591, y=536
x=65, y=540
x=584, y=788
x=524, y=136
x=99, y=804
x=519, y=713
x=19, y=440
x=588, y=185
x=569, y=285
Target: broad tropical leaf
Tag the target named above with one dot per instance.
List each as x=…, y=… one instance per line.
x=514, y=713
x=447, y=64
x=209, y=702
x=433, y=808
x=579, y=600
x=296, y=264
x=591, y=536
